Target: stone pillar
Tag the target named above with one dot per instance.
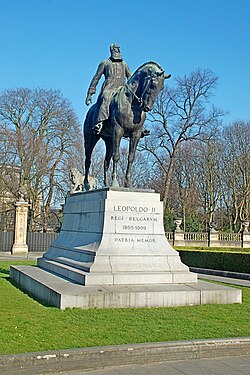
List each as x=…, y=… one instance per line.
x=20, y=246
x=245, y=234
x=178, y=234
x=213, y=237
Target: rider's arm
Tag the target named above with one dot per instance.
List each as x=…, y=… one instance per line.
x=127, y=71
x=96, y=78
x=94, y=82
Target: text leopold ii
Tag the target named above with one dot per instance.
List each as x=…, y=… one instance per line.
x=136, y=209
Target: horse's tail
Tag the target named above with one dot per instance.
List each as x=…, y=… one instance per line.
x=88, y=123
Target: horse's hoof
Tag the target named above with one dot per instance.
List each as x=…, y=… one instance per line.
x=86, y=186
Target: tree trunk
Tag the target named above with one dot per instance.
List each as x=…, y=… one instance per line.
x=167, y=182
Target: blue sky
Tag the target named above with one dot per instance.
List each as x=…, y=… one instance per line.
x=58, y=43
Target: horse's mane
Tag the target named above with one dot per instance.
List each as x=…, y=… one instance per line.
x=135, y=74
x=148, y=63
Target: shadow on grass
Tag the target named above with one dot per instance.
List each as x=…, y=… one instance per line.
x=4, y=271
x=30, y=295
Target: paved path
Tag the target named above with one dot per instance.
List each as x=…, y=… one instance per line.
x=214, y=366
x=227, y=280
x=8, y=256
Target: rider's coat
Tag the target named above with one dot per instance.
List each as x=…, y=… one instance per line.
x=115, y=73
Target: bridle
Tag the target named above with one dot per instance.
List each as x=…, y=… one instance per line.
x=140, y=99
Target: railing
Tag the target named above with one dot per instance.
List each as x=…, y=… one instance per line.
x=211, y=239
x=196, y=236
x=230, y=237
x=170, y=237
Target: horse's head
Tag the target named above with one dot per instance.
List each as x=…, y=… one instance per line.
x=150, y=78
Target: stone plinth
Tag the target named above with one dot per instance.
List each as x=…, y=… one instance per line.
x=179, y=238
x=20, y=246
x=63, y=294
x=115, y=237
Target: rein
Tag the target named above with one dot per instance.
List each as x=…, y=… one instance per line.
x=139, y=99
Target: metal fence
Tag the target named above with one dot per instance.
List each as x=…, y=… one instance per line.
x=40, y=242
x=7, y=219
x=6, y=241
x=37, y=242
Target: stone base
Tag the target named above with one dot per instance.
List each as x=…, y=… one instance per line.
x=62, y=293
x=19, y=249
x=115, y=237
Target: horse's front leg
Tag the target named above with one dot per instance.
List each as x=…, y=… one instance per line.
x=86, y=174
x=134, y=139
x=117, y=136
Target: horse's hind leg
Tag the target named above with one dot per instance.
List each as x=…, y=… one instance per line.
x=89, y=146
x=109, y=152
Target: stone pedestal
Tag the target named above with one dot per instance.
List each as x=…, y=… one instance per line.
x=178, y=234
x=115, y=237
x=20, y=246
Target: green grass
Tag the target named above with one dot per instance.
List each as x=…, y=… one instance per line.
x=26, y=325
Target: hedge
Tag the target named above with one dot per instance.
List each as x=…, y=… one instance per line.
x=234, y=262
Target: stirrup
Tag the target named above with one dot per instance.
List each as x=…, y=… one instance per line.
x=97, y=128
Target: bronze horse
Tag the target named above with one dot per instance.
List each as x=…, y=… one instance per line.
x=128, y=109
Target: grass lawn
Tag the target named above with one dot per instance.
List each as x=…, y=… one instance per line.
x=27, y=326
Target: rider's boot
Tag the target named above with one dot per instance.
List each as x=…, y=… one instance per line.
x=97, y=128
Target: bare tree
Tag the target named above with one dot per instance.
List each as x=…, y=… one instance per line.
x=181, y=114
x=185, y=184
x=235, y=151
x=208, y=168
x=41, y=129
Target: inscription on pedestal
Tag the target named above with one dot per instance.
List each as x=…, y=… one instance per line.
x=124, y=239
x=134, y=224
x=136, y=209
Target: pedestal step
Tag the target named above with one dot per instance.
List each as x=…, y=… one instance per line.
x=83, y=276
x=62, y=293
x=80, y=265
x=64, y=270
x=70, y=252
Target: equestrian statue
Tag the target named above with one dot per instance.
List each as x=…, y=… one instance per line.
x=120, y=110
